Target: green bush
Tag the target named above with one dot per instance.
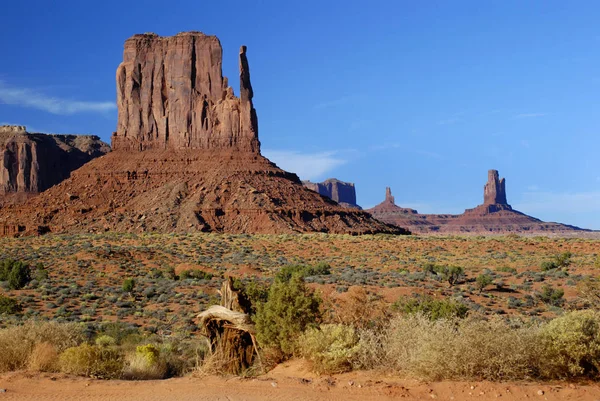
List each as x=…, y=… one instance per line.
x=128, y=285
x=551, y=296
x=482, y=281
x=286, y=272
x=9, y=306
x=558, y=261
x=431, y=307
x=92, y=361
x=451, y=274
x=291, y=308
x=195, y=274
x=572, y=344
x=17, y=273
x=331, y=348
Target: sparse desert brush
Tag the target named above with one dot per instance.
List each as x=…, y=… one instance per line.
x=92, y=361
x=17, y=343
x=453, y=349
x=356, y=308
x=331, y=348
x=9, y=306
x=145, y=364
x=572, y=345
x=445, y=308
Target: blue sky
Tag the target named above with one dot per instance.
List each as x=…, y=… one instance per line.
x=424, y=97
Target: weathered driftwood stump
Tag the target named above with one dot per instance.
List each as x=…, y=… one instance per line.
x=230, y=331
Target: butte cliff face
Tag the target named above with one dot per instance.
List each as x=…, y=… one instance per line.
x=341, y=192
x=171, y=95
x=31, y=163
x=186, y=157
x=495, y=215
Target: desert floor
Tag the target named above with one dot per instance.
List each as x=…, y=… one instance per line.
x=290, y=381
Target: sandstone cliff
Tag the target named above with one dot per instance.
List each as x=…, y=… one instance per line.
x=494, y=216
x=342, y=192
x=186, y=157
x=171, y=95
x=32, y=162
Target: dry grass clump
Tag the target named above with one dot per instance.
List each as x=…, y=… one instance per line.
x=36, y=344
x=460, y=349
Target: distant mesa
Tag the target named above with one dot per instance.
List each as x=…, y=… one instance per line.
x=495, y=215
x=186, y=158
x=341, y=192
x=32, y=162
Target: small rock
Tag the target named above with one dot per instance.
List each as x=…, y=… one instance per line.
x=2, y=390
x=540, y=392
x=472, y=387
x=351, y=383
x=273, y=384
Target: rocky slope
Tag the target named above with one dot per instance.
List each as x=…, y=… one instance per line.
x=495, y=215
x=186, y=157
x=31, y=162
x=341, y=192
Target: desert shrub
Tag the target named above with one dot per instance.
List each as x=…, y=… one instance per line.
x=331, y=348
x=195, y=274
x=506, y=269
x=482, y=281
x=551, y=296
x=452, y=349
x=291, y=307
x=105, y=341
x=17, y=343
x=358, y=309
x=451, y=274
x=433, y=308
x=16, y=273
x=251, y=294
x=548, y=265
x=92, y=361
x=286, y=272
x=572, y=345
x=43, y=358
x=128, y=285
x=589, y=291
x=9, y=306
x=558, y=261
x=145, y=364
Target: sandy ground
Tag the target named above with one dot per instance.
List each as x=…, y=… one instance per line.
x=283, y=383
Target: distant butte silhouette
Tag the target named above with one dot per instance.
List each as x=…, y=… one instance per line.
x=495, y=216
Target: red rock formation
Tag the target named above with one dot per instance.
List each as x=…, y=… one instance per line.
x=495, y=216
x=186, y=157
x=31, y=163
x=494, y=191
x=341, y=192
x=171, y=95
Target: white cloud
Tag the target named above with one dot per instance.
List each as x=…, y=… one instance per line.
x=530, y=115
x=308, y=166
x=30, y=98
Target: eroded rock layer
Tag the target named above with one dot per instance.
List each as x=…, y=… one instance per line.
x=342, y=192
x=494, y=216
x=171, y=95
x=186, y=157
x=31, y=162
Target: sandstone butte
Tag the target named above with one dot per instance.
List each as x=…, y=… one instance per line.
x=186, y=157
x=32, y=162
x=342, y=192
x=494, y=216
